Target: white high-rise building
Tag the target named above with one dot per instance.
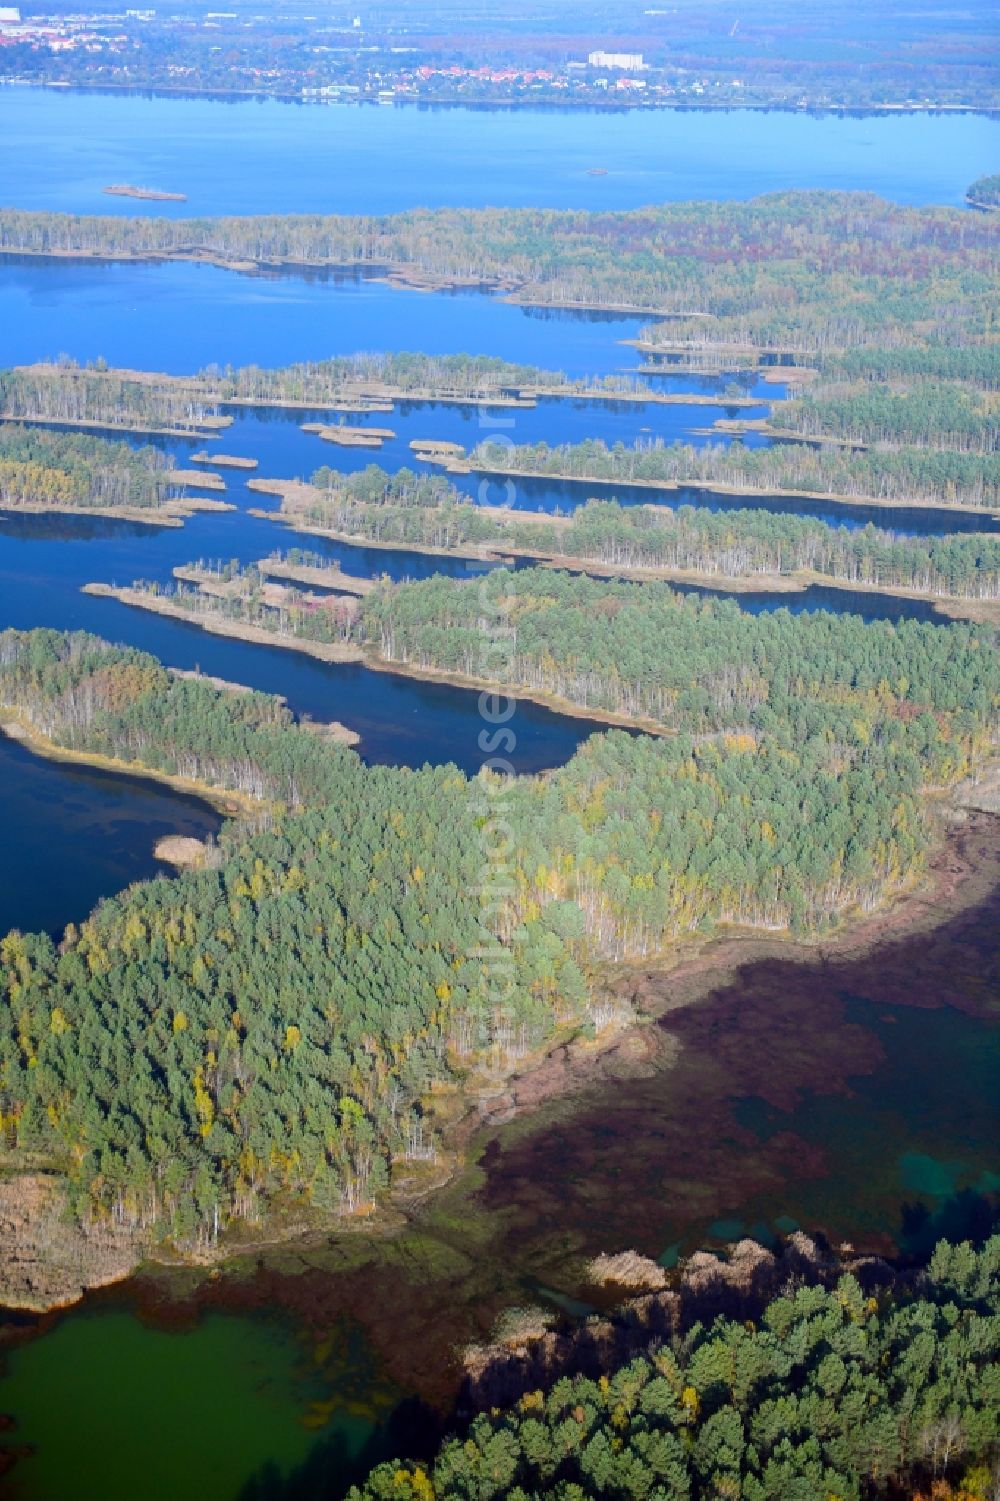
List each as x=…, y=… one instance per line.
x=629, y=62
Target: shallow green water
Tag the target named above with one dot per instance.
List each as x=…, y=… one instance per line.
x=854, y=1097
x=129, y=1413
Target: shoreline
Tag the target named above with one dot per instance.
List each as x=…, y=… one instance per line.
x=798, y=581
x=464, y=466
x=955, y=879
x=955, y=607
x=402, y=276
x=15, y=726
x=370, y=397
x=499, y=552
x=472, y=553
x=159, y=604
x=331, y=576
x=352, y=654
x=223, y=460
x=170, y=513
x=195, y=434
x=444, y=101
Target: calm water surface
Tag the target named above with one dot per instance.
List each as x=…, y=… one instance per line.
x=821, y=1094
x=70, y=835
x=117, y=1410
x=271, y=157
x=179, y=317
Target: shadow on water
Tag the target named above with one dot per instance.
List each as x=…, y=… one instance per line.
x=333, y=1466
x=967, y=1215
x=852, y=1094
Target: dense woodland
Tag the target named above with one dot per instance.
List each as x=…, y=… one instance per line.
x=974, y=364
x=266, y=1029
x=831, y=1394
x=938, y=476
x=416, y=511
x=49, y=467
x=935, y=414
x=809, y=271
x=699, y=666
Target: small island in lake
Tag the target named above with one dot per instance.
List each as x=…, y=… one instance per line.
x=984, y=193
x=156, y=195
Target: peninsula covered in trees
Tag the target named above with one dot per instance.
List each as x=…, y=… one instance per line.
x=629, y=650
x=834, y=1391
x=286, y=1009
x=902, y=475
x=805, y=271
x=94, y=395
x=426, y=513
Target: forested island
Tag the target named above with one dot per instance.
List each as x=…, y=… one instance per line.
x=764, y=548
x=44, y=469
x=911, y=475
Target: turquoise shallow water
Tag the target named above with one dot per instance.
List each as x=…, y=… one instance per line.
x=851, y=1098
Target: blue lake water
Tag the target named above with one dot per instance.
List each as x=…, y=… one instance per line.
x=180, y=317
x=400, y=720
x=106, y=1399
x=70, y=835
x=45, y=561
x=250, y=156
x=275, y=436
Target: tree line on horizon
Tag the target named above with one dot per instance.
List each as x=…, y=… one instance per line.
x=829, y=269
